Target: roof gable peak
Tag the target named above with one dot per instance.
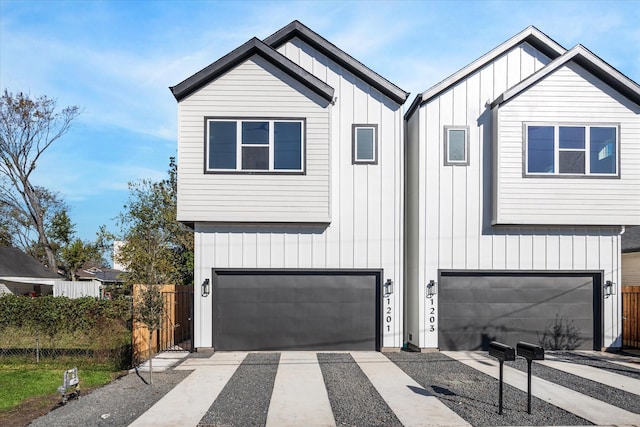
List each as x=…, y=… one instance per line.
x=530, y=35
x=252, y=47
x=587, y=60
x=304, y=33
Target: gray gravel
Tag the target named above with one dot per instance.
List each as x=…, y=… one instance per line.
x=354, y=400
x=244, y=401
x=614, y=396
x=474, y=395
x=118, y=403
x=598, y=363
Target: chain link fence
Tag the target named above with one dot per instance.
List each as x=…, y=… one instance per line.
x=104, y=340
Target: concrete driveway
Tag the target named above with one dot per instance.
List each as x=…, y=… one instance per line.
x=404, y=389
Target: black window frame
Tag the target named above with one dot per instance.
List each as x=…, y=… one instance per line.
x=238, y=169
x=557, y=149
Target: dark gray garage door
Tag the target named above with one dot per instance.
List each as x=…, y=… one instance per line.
x=475, y=309
x=296, y=310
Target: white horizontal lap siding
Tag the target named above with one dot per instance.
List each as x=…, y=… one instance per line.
x=254, y=89
x=570, y=95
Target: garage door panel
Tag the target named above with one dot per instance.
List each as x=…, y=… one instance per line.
x=301, y=311
x=473, y=310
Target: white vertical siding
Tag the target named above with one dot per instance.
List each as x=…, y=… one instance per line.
x=453, y=222
x=570, y=95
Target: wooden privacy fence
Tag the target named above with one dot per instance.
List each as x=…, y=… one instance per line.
x=631, y=316
x=176, y=333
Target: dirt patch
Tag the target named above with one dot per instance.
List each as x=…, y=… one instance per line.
x=32, y=408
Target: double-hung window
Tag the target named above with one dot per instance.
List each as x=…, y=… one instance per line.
x=255, y=145
x=578, y=150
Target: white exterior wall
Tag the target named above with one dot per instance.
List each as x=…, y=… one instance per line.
x=570, y=95
x=254, y=89
x=366, y=205
x=453, y=219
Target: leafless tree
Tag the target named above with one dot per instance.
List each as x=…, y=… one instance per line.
x=28, y=126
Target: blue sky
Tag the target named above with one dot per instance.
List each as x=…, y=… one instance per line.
x=116, y=60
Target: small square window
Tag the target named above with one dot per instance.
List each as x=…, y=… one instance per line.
x=456, y=145
x=365, y=144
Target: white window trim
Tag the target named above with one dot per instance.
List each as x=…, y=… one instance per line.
x=447, y=160
x=239, y=145
x=354, y=158
x=556, y=150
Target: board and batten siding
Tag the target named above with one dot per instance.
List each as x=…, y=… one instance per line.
x=571, y=95
x=453, y=219
x=365, y=231
x=254, y=89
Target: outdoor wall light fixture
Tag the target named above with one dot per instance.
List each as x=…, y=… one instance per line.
x=432, y=288
x=609, y=288
x=388, y=287
x=206, y=288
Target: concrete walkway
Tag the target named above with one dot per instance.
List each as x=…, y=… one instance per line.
x=194, y=394
x=411, y=403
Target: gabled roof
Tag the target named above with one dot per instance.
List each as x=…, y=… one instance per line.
x=15, y=263
x=631, y=239
x=299, y=30
x=239, y=55
x=586, y=59
x=530, y=35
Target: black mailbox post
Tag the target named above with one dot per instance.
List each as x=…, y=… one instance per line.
x=530, y=352
x=503, y=353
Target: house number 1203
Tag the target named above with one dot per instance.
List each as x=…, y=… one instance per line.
x=432, y=315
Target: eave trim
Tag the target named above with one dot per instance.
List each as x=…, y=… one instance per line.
x=239, y=55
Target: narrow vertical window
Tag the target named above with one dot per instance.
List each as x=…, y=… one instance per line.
x=365, y=144
x=222, y=145
x=456, y=145
x=540, y=149
x=603, y=150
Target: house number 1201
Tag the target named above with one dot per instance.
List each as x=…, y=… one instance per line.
x=388, y=315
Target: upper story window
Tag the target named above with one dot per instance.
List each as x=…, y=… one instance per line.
x=365, y=144
x=255, y=145
x=579, y=150
x=456, y=145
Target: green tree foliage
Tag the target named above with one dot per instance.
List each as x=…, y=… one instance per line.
x=28, y=126
x=149, y=310
x=156, y=248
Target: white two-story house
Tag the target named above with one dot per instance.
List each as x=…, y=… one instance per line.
x=290, y=171
x=522, y=170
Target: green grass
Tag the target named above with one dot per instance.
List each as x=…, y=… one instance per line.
x=19, y=382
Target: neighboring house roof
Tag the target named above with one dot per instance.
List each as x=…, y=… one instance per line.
x=530, y=35
x=631, y=239
x=15, y=263
x=299, y=30
x=589, y=61
x=241, y=54
x=110, y=275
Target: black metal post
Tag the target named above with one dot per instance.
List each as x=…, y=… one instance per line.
x=529, y=386
x=500, y=393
